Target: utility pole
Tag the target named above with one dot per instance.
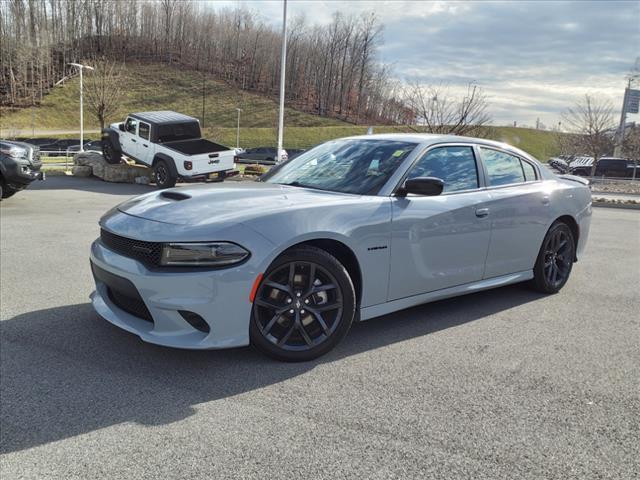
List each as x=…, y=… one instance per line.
x=238, y=129
x=80, y=68
x=617, y=151
x=203, y=96
x=283, y=67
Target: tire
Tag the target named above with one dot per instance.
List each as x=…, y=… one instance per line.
x=555, y=259
x=110, y=154
x=303, y=307
x=164, y=175
x=1, y=189
x=8, y=192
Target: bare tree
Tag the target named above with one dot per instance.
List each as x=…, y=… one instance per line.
x=593, y=122
x=103, y=89
x=438, y=111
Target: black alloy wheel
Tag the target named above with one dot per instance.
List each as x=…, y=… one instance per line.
x=163, y=176
x=555, y=259
x=304, y=305
x=109, y=153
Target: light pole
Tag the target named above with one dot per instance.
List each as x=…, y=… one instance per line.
x=80, y=68
x=283, y=67
x=238, y=129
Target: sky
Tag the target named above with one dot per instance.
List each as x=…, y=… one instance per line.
x=532, y=58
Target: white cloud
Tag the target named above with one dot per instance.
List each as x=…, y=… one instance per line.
x=533, y=58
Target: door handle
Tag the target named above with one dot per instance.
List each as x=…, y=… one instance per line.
x=482, y=212
x=145, y=145
x=133, y=140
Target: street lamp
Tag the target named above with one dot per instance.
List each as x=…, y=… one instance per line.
x=283, y=67
x=238, y=129
x=80, y=68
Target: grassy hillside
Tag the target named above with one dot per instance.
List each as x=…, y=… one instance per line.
x=157, y=87
x=539, y=143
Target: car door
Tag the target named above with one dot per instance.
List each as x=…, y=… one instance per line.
x=128, y=140
x=143, y=146
x=519, y=209
x=440, y=241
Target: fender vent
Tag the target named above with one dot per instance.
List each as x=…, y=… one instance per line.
x=177, y=196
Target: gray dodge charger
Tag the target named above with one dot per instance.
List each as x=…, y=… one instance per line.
x=350, y=230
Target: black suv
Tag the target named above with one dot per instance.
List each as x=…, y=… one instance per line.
x=607, y=167
x=19, y=166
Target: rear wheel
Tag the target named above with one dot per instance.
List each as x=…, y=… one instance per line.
x=163, y=175
x=303, y=307
x=110, y=154
x=555, y=259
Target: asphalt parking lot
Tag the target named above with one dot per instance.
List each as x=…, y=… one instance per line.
x=500, y=384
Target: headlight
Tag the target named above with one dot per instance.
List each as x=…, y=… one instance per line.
x=205, y=254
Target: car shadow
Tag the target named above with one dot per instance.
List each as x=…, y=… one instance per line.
x=67, y=372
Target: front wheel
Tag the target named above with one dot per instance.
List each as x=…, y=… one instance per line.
x=555, y=259
x=163, y=175
x=110, y=154
x=303, y=307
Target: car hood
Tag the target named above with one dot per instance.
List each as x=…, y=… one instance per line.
x=229, y=202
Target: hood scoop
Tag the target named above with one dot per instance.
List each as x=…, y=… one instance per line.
x=177, y=196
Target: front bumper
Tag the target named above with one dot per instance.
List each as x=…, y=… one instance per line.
x=20, y=175
x=220, y=297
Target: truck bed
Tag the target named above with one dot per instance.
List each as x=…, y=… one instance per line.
x=195, y=147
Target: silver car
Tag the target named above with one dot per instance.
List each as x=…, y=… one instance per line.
x=350, y=230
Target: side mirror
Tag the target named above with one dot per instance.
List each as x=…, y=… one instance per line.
x=428, y=186
x=121, y=127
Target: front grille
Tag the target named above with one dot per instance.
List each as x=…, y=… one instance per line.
x=146, y=252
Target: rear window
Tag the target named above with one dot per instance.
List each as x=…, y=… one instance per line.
x=178, y=131
x=503, y=168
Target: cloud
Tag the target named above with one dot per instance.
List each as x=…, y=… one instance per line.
x=533, y=58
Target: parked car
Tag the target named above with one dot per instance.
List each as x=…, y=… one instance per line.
x=92, y=146
x=260, y=155
x=171, y=143
x=353, y=229
x=606, y=167
x=38, y=141
x=59, y=147
x=294, y=152
x=559, y=164
x=19, y=166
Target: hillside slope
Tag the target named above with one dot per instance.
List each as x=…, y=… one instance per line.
x=158, y=87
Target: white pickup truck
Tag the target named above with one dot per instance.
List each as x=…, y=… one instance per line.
x=171, y=144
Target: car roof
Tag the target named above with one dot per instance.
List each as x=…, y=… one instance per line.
x=163, y=117
x=427, y=139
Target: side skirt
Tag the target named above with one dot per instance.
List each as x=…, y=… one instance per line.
x=407, y=302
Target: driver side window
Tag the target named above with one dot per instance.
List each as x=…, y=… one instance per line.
x=456, y=166
x=131, y=125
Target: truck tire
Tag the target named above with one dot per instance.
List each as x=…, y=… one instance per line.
x=164, y=175
x=110, y=154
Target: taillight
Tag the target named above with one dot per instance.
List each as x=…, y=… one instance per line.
x=188, y=165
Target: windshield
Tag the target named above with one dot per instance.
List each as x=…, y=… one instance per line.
x=360, y=166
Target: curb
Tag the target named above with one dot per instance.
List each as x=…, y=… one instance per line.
x=627, y=206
